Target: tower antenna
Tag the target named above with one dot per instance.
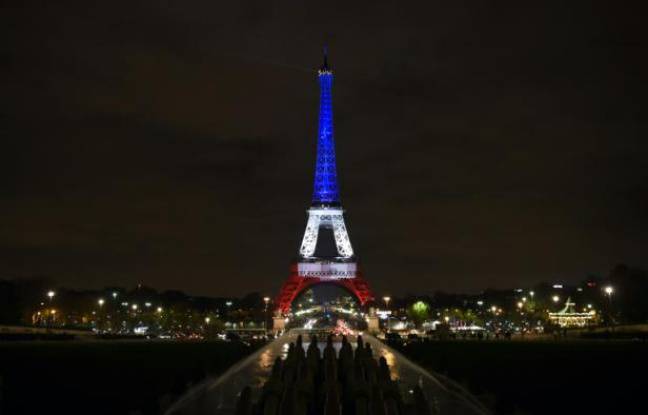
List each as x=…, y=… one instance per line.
x=325, y=66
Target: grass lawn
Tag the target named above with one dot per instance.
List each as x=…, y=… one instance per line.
x=105, y=377
x=541, y=377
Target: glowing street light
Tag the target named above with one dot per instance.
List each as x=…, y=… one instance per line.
x=266, y=300
x=531, y=293
x=134, y=307
x=609, y=290
x=493, y=309
x=100, y=302
x=114, y=294
x=207, y=320
x=555, y=298
x=159, y=309
x=51, y=294
x=520, y=304
x=386, y=299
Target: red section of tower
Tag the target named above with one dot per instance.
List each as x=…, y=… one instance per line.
x=296, y=283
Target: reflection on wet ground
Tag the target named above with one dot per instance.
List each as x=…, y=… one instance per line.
x=220, y=395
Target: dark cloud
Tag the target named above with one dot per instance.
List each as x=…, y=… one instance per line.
x=479, y=144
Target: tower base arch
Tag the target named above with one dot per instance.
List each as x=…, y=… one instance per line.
x=297, y=283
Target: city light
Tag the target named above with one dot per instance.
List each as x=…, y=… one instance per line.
x=555, y=298
x=100, y=302
x=520, y=304
x=114, y=294
x=207, y=320
x=51, y=294
x=134, y=306
x=609, y=290
x=386, y=299
x=159, y=309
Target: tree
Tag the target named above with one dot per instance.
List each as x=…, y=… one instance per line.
x=418, y=312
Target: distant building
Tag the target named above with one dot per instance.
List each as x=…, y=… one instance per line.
x=569, y=317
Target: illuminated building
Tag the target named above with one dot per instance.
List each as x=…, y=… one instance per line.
x=326, y=253
x=569, y=317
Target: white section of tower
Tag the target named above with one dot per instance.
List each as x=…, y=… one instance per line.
x=318, y=217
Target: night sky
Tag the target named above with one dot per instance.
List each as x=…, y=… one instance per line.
x=480, y=144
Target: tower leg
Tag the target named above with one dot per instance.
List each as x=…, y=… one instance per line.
x=278, y=323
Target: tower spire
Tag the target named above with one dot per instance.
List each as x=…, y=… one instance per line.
x=325, y=67
x=325, y=191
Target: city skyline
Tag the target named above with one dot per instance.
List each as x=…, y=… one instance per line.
x=175, y=150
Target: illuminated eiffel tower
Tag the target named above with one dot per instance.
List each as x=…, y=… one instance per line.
x=326, y=254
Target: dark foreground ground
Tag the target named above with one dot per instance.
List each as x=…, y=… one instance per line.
x=137, y=377
x=543, y=377
x=109, y=377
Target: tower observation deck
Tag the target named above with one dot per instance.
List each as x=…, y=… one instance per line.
x=326, y=253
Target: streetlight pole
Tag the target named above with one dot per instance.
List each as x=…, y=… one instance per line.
x=100, y=319
x=386, y=299
x=609, y=290
x=52, y=312
x=266, y=300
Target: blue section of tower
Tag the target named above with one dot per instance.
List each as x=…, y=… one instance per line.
x=326, y=184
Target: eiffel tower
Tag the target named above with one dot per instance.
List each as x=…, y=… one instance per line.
x=326, y=254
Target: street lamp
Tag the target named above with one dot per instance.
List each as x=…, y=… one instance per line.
x=114, y=294
x=99, y=319
x=609, y=290
x=555, y=298
x=51, y=295
x=266, y=300
x=387, y=299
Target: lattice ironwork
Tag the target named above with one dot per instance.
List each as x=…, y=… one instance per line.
x=325, y=189
x=318, y=217
x=295, y=284
x=326, y=211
